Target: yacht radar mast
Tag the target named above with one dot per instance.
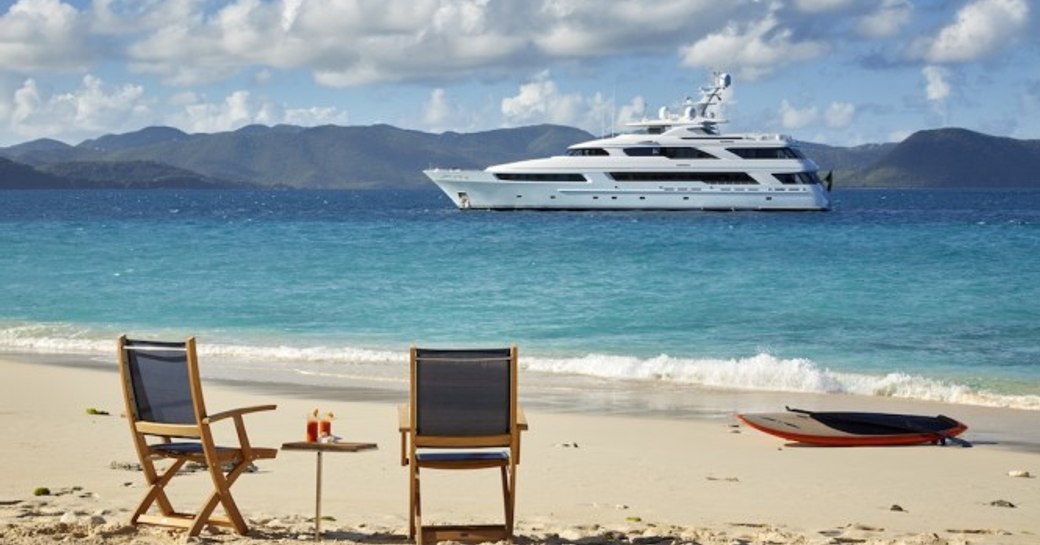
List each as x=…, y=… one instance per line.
x=701, y=115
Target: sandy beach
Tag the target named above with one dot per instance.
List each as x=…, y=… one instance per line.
x=585, y=477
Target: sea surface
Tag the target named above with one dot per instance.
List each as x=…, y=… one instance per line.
x=930, y=295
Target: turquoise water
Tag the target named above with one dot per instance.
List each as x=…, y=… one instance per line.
x=917, y=294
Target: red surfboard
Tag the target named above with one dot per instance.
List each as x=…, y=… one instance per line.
x=857, y=428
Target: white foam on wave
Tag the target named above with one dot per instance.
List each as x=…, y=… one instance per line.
x=61, y=338
x=53, y=339
x=302, y=355
x=762, y=372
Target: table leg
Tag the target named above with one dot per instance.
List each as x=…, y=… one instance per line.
x=317, y=503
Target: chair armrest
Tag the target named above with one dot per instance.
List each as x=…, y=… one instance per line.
x=521, y=419
x=237, y=412
x=404, y=419
x=404, y=425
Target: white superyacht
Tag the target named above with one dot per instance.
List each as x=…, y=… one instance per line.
x=674, y=162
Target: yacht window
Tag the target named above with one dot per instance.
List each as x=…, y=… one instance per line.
x=585, y=152
x=727, y=178
x=686, y=153
x=540, y=177
x=669, y=152
x=766, y=153
x=798, y=178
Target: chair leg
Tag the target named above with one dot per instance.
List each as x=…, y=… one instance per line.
x=411, y=502
x=221, y=494
x=228, y=501
x=505, y=496
x=511, y=501
x=416, y=530
x=155, y=493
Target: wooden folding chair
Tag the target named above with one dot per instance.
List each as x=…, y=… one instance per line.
x=168, y=420
x=461, y=399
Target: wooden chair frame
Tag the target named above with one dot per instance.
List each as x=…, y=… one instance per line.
x=205, y=451
x=412, y=441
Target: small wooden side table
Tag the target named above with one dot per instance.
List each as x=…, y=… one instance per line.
x=320, y=448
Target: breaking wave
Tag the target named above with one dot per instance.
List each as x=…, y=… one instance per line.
x=762, y=372
x=765, y=372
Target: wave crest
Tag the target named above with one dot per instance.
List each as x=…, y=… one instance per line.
x=765, y=372
x=761, y=372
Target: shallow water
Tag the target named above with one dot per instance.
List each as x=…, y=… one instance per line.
x=913, y=294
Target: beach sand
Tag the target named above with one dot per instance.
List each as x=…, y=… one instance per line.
x=584, y=478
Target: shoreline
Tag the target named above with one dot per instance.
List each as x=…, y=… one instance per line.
x=583, y=476
x=580, y=395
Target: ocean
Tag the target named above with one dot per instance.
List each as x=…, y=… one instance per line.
x=925, y=295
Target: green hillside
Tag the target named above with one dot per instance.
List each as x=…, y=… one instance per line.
x=133, y=175
x=336, y=157
x=957, y=158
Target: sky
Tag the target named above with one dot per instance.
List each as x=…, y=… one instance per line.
x=839, y=72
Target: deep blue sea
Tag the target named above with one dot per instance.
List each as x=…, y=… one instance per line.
x=915, y=294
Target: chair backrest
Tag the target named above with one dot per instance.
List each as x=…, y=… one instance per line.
x=160, y=379
x=464, y=393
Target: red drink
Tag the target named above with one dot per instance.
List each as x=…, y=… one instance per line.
x=312, y=430
x=325, y=427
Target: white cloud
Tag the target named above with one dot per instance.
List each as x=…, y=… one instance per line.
x=26, y=103
x=122, y=17
x=182, y=99
x=346, y=43
x=631, y=112
x=900, y=135
x=44, y=35
x=437, y=111
x=593, y=28
x=937, y=88
x=424, y=40
x=442, y=111
x=290, y=10
x=890, y=17
x=236, y=110
x=342, y=43
x=981, y=29
x=821, y=6
x=840, y=115
x=793, y=118
x=198, y=49
x=5, y=110
x=754, y=49
x=540, y=101
x=241, y=108
x=262, y=76
x=93, y=108
x=314, y=116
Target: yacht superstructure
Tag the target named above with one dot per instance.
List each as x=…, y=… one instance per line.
x=674, y=162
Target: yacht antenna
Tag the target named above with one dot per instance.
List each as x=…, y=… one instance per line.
x=613, y=109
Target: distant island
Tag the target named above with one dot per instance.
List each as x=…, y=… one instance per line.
x=382, y=156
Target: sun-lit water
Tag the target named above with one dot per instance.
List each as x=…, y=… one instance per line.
x=917, y=294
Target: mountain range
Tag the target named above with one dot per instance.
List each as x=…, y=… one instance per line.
x=382, y=156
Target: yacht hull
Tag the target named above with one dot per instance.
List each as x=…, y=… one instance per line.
x=481, y=190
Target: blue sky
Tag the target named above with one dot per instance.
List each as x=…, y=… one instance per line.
x=841, y=72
